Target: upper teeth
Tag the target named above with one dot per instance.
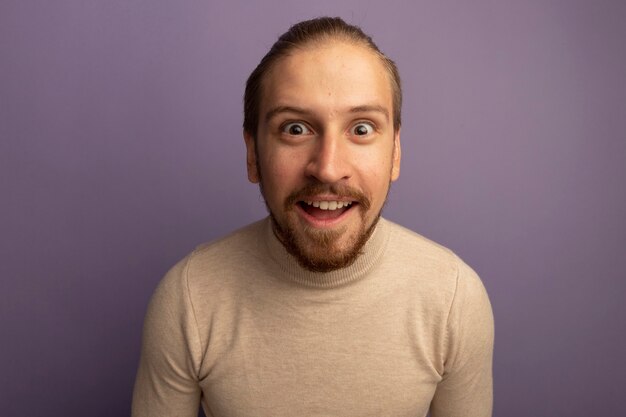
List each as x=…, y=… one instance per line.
x=329, y=205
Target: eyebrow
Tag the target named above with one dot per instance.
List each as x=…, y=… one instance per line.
x=299, y=110
x=371, y=108
x=285, y=109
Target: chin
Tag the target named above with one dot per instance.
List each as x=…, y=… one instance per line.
x=322, y=250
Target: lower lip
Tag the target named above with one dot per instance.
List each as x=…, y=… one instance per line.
x=324, y=223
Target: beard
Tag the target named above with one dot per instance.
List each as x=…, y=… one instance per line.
x=319, y=250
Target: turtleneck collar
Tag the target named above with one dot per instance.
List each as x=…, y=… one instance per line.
x=372, y=251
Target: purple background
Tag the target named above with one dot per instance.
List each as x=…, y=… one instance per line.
x=121, y=150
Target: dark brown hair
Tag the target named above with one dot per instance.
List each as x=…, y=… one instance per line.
x=307, y=32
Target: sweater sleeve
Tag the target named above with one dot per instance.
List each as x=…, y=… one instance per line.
x=167, y=381
x=466, y=389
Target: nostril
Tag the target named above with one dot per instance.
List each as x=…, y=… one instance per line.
x=328, y=171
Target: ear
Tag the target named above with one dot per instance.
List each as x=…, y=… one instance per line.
x=397, y=153
x=251, y=162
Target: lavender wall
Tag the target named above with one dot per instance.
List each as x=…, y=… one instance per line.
x=121, y=150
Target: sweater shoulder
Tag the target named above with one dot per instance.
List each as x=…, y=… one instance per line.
x=418, y=248
x=436, y=280
x=217, y=262
x=224, y=257
x=244, y=240
x=438, y=266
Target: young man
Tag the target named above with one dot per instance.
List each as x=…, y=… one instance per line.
x=324, y=308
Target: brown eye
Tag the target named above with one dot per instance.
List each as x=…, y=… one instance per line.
x=362, y=129
x=295, y=129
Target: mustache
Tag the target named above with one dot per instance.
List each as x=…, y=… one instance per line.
x=342, y=191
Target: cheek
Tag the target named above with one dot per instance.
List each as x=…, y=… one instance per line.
x=280, y=170
x=376, y=165
x=375, y=169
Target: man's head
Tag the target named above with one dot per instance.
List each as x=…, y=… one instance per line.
x=322, y=131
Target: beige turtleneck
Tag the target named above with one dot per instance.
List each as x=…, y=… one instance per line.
x=240, y=327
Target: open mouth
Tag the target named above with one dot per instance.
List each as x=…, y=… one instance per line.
x=326, y=210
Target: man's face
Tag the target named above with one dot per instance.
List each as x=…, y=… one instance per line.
x=326, y=150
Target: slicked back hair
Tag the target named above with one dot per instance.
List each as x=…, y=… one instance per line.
x=305, y=33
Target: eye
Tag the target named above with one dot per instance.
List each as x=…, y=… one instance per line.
x=362, y=129
x=295, y=129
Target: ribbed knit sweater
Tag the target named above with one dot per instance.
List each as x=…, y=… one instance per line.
x=241, y=328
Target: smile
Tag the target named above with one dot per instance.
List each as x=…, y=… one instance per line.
x=325, y=213
x=328, y=205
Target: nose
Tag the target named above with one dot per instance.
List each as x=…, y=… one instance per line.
x=329, y=160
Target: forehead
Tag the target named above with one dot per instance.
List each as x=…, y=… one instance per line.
x=331, y=75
